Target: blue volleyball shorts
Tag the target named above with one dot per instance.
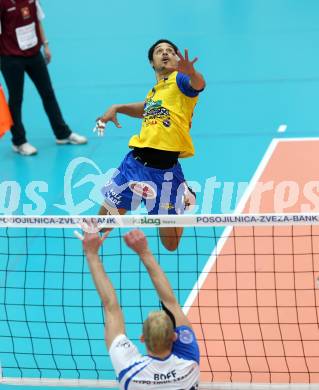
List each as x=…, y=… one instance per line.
x=162, y=191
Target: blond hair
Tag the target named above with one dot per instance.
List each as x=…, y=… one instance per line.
x=158, y=331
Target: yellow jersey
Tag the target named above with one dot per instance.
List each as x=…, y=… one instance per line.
x=167, y=117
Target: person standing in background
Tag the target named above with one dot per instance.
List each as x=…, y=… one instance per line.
x=21, y=38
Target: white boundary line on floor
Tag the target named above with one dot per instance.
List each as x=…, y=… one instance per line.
x=224, y=236
x=239, y=209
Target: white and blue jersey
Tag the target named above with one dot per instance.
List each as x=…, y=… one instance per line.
x=179, y=371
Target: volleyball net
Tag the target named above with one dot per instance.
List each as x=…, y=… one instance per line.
x=248, y=283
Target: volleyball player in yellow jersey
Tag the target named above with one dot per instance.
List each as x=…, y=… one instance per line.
x=151, y=172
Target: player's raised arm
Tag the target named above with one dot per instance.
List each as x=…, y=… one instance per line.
x=114, y=322
x=137, y=241
x=186, y=66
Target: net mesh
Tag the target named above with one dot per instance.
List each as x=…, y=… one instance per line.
x=251, y=292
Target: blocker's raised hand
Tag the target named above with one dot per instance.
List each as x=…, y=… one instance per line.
x=136, y=240
x=91, y=239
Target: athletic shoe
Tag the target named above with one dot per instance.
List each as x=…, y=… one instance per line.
x=25, y=149
x=74, y=139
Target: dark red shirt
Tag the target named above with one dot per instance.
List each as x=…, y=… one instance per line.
x=20, y=32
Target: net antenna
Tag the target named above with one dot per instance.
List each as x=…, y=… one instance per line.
x=248, y=283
